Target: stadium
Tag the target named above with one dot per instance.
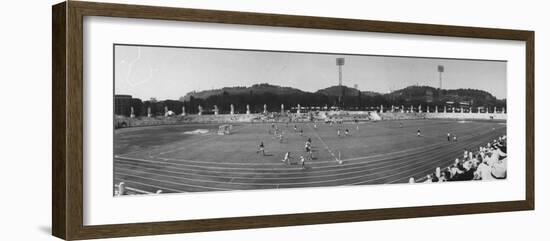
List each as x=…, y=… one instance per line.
x=272, y=136
x=220, y=152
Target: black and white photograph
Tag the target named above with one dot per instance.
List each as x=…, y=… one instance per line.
x=201, y=120
x=271, y=120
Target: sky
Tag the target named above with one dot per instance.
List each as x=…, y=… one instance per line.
x=171, y=72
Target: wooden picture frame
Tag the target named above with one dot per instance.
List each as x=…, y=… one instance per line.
x=67, y=123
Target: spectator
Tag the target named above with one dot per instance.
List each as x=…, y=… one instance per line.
x=435, y=178
x=489, y=163
x=483, y=172
x=498, y=170
x=428, y=178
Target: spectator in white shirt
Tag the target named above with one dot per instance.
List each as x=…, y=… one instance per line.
x=483, y=172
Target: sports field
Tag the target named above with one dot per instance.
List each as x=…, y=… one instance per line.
x=179, y=158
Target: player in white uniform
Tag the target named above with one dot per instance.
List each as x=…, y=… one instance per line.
x=287, y=158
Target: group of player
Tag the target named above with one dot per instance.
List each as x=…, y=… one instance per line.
x=451, y=137
x=277, y=133
x=346, y=132
x=287, y=159
x=308, y=147
x=296, y=130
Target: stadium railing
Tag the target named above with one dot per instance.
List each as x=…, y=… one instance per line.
x=121, y=189
x=425, y=178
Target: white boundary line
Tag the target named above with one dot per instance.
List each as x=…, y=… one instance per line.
x=427, y=163
x=175, y=183
x=323, y=142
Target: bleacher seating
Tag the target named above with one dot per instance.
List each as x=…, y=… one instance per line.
x=401, y=116
x=486, y=163
x=340, y=116
x=473, y=116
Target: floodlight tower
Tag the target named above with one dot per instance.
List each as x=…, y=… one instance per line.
x=340, y=62
x=440, y=69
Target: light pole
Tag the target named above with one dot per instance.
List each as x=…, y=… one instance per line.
x=340, y=62
x=440, y=69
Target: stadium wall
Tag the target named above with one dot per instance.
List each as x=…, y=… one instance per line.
x=473, y=116
x=122, y=121
x=401, y=116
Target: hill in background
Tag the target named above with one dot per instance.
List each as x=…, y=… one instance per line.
x=255, y=89
x=431, y=95
x=346, y=91
x=273, y=96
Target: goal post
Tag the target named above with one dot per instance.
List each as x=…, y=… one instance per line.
x=224, y=130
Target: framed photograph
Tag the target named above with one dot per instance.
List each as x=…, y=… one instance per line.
x=171, y=120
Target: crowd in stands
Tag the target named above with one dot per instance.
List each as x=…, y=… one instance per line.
x=486, y=163
x=401, y=116
x=121, y=121
x=465, y=116
x=347, y=116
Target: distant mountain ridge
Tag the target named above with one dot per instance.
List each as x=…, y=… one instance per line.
x=409, y=93
x=430, y=94
x=275, y=89
x=255, y=89
x=346, y=91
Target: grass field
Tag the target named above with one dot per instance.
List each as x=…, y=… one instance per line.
x=166, y=158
